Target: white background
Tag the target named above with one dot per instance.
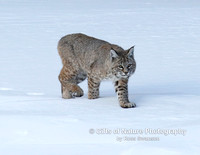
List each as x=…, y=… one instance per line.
x=34, y=119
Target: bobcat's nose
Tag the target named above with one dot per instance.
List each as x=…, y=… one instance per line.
x=125, y=73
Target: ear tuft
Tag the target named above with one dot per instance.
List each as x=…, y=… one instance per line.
x=131, y=51
x=113, y=53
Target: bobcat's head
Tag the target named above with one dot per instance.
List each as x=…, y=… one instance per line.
x=123, y=63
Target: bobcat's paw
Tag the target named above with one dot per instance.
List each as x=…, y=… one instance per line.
x=93, y=95
x=128, y=105
x=66, y=94
x=76, y=92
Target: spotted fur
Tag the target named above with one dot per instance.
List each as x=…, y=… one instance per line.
x=87, y=57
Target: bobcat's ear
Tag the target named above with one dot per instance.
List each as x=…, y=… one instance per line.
x=113, y=54
x=131, y=51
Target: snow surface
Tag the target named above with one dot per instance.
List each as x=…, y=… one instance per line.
x=35, y=119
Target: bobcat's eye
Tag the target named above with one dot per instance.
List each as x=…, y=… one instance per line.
x=130, y=65
x=120, y=67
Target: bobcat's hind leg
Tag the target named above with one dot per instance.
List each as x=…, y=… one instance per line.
x=69, y=80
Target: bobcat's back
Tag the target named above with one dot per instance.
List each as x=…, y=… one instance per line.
x=89, y=53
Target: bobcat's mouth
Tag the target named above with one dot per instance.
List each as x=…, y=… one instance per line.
x=122, y=75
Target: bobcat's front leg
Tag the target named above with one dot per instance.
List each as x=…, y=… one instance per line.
x=121, y=89
x=93, y=88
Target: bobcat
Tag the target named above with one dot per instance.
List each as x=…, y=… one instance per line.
x=87, y=57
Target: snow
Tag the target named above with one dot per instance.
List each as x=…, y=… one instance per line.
x=166, y=86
